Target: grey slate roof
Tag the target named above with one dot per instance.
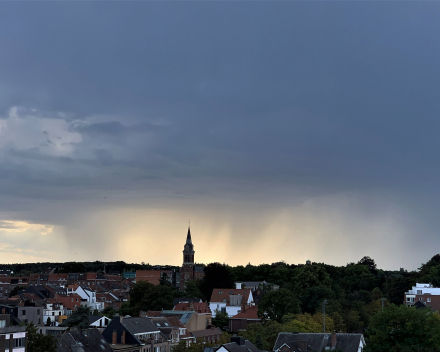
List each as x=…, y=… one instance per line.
x=12, y=329
x=207, y=332
x=184, y=299
x=89, y=340
x=139, y=325
x=184, y=316
x=318, y=342
x=241, y=345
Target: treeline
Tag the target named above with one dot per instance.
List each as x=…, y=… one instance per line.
x=353, y=293
x=76, y=267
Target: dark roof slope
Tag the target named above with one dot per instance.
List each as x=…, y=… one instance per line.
x=318, y=342
x=139, y=325
x=89, y=340
x=239, y=344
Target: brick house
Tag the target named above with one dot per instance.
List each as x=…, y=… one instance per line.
x=241, y=320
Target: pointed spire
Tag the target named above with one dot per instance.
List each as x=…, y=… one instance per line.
x=188, y=236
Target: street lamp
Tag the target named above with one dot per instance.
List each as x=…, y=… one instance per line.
x=383, y=302
x=323, y=315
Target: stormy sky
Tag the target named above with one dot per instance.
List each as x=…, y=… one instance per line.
x=283, y=130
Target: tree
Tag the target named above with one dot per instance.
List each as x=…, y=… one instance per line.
x=192, y=289
x=308, y=323
x=369, y=263
x=73, y=267
x=109, y=312
x=79, y=318
x=398, y=287
x=221, y=319
x=125, y=309
x=181, y=347
x=352, y=321
x=276, y=304
x=266, y=333
x=38, y=342
x=312, y=298
x=146, y=296
x=15, y=290
x=404, y=329
x=216, y=276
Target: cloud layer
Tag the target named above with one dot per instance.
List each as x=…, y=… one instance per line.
x=284, y=130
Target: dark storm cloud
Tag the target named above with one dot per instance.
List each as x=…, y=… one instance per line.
x=201, y=98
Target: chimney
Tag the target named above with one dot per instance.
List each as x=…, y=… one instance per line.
x=333, y=340
x=238, y=285
x=302, y=345
x=114, y=337
x=123, y=337
x=238, y=340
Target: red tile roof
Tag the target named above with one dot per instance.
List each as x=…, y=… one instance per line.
x=250, y=313
x=222, y=294
x=199, y=307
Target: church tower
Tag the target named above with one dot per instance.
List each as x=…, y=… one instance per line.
x=187, y=270
x=188, y=250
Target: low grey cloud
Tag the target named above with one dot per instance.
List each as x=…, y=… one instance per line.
x=321, y=112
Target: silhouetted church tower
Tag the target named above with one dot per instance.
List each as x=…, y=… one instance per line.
x=188, y=250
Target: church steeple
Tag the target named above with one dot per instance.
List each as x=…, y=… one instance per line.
x=188, y=249
x=188, y=236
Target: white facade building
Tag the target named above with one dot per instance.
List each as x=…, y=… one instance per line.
x=421, y=292
x=230, y=301
x=52, y=312
x=18, y=335
x=88, y=298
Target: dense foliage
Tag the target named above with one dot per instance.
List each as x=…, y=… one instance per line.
x=37, y=342
x=79, y=318
x=404, y=329
x=145, y=296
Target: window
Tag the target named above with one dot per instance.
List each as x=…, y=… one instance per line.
x=2, y=323
x=38, y=311
x=220, y=292
x=224, y=299
x=419, y=292
x=429, y=299
x=23, y=312
x=20, y=342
